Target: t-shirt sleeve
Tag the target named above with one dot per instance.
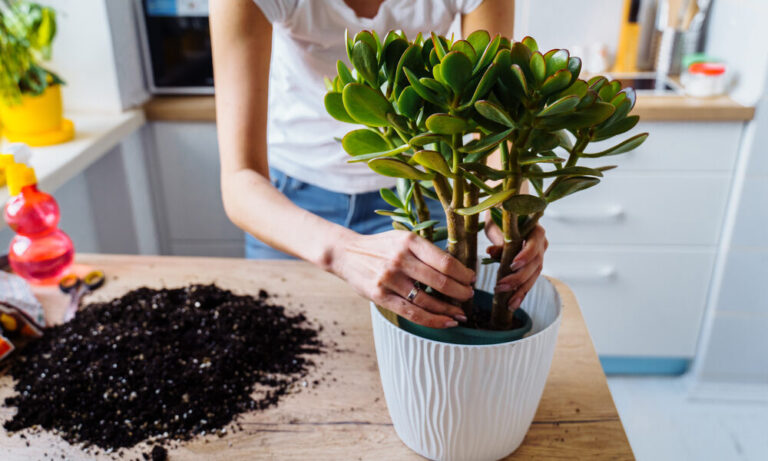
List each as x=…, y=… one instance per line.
x=277, y=11
x=466, y=6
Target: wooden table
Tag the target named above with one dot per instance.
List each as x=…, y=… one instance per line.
x=346, y=418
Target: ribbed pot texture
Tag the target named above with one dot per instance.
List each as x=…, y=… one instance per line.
x=464, y=402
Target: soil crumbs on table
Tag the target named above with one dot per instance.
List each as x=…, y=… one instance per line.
x=160, y=365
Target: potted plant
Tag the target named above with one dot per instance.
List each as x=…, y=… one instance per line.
x=30, y=95
x=433, y=111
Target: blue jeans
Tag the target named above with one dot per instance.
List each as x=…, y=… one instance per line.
x=354, y=211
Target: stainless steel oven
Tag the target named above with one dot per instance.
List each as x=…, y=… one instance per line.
x=176, y=46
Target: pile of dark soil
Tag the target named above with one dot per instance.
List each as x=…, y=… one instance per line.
x=160, y=364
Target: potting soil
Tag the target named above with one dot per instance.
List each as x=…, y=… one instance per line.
x=160, y=364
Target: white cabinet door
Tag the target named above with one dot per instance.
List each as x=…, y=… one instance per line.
x=637, y=301
x=686, y=146
x=187, y=177
x=642, y=209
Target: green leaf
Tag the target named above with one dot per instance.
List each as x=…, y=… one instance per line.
x=439, y=48
x=440, y=234
x=520, y=81
x=489, y=202
x=521, y=55
x=606, y=168
x=486, y=142
x=424, y=225
x=464, y=47
x=574, y=66
x=524, y=204
x=434, y=161
x=626, y=146
x=484, y=171
x=547, y=157
x=617, y=128
x=334, y=105
x=366, y=105
x=488, y=54
x=364, y=60
x=494, y=112
x=556, y=60
x=399, y=214
x=390, y=197
x=479, y=40
x=587, y=100
x=560, y=80
x=397, y=169
x=584, y=118
x=484, y=86
x=409, y=102
x=446, y=124
x=411, y=59
x=344, y=74
x=531, y=44
x=564, y=139
x=391, y=55
x=440, y=89
x=399, y=123
x=496, y=216
x=425, y=93
x=567, y=171
x=561, y=106
x=596, y=83
x=569, y=186
x=368, y=38
x=373, y=155
x=578, y=88
x=538, y=67
x=349, y=44
x=404, y=187
x=363, y=141
x=456, y=69
x=427, y=138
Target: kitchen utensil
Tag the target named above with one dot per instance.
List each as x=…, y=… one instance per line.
x=77, y=287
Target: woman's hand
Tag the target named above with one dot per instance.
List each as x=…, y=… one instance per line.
x=526, y=266
x=384, y=267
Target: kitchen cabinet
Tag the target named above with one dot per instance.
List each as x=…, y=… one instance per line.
x=639, y=250
x=184, y=171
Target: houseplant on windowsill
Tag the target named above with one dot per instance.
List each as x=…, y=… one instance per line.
x=433, y=110
x=30, y=95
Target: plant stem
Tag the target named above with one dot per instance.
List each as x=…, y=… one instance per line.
x=422, y=211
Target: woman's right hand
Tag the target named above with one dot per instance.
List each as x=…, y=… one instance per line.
x=384, y=267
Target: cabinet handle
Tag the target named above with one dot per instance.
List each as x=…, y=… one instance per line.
x=613, y=213
x=599, y=274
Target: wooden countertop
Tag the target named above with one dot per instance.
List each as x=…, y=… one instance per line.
x=576, y=418
x=648, y=107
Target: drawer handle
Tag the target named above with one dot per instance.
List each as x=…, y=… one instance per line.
x=613, y=213
x=600, y=274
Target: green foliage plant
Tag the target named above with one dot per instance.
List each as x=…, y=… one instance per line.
x=26, y=33
x=430, y=111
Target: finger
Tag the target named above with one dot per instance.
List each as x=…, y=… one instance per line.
x=415, y=314
x=534, y=244
x=519, y=296
x=441, y=261
x=493, y=231
x=417, y=270
x=515, y=280
x=403, y=285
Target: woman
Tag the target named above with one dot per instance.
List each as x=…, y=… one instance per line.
x=318, y=207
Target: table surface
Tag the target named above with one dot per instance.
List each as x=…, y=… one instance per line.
x=345, y=418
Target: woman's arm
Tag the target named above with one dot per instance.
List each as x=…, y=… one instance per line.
x=381, y=267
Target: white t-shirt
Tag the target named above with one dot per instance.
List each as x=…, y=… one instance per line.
x=307, y=40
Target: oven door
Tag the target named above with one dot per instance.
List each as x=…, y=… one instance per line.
x=176, y=44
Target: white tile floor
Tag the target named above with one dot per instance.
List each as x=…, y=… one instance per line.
x=664, y=423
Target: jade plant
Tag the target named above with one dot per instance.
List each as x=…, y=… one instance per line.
x=434, y=110
x=26, y=33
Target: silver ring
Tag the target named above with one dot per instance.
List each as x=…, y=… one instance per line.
x=414, y=291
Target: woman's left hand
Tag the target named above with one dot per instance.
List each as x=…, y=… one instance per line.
x=526, y=266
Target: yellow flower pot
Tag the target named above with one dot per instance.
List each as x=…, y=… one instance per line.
x=37, y=120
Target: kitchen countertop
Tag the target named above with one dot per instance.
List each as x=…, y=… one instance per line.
x=95, y=135
x=648, y=107
x=576, y=418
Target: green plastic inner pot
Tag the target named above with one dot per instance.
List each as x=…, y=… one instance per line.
x=471, y=336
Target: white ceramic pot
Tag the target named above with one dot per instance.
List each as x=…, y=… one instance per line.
x=462, y=402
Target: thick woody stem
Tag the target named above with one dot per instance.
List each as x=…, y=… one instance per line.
x=422, y=211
